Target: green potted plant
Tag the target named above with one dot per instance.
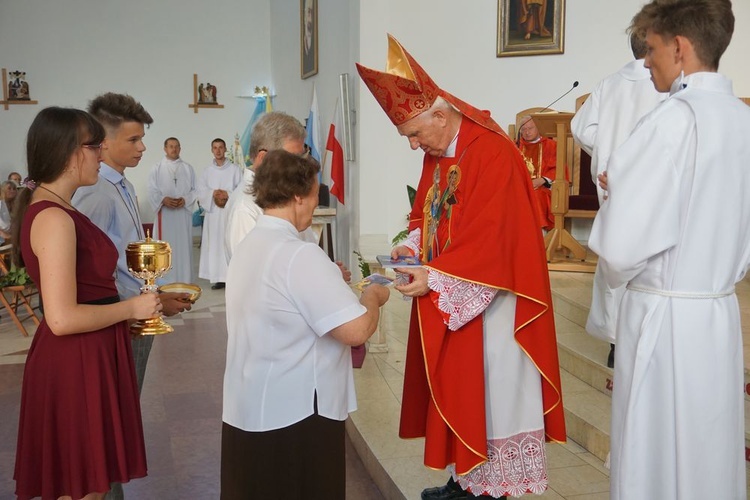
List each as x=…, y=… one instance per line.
x=16, y=276
x=412, y=193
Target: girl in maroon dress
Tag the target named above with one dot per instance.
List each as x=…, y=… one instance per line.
x=80, y=426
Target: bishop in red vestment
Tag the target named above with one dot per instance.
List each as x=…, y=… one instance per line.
x=482, y=380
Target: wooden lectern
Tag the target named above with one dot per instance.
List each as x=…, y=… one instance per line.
x=557, y=125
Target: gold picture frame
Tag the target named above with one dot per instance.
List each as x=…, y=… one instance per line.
x=530, y=27
x=308, y=15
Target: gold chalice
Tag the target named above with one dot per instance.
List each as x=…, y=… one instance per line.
x=148, y=260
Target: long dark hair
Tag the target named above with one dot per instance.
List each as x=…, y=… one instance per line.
x=54, y=136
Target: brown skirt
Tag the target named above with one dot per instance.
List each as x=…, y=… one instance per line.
x=305, y=460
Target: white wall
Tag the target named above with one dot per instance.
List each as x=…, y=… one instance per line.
x=338, y=39
x=74, y=50
x=455, y=43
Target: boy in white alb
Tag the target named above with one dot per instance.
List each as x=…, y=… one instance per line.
x=674, y=231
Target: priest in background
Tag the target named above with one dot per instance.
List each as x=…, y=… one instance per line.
x=674, y=231
x=217, y=182
x=172, y=194
x=540, y=155
x=482, y=379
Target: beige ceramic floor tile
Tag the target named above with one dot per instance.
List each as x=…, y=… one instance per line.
x=558, y=456
x=594, y=462
x=550, y=494
x=573, y=447
x=378, y=421
x=590, y=496
x=579, y=480
x=197, y=315
x=412, y=476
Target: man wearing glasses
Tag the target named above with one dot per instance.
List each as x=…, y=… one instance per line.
x=272, y=131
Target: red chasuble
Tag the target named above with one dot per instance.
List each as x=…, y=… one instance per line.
x=485, y=231
x=543, y=158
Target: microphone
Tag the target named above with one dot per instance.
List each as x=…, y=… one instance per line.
x=575, y=84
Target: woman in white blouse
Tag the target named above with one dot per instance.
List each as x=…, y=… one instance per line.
x=291, y=319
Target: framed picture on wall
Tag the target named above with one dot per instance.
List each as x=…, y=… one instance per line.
x=308, y=38
x=530, y=27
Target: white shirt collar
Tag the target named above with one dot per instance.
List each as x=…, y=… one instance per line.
x=450, y=151
x=707, y=80
x=278, y=223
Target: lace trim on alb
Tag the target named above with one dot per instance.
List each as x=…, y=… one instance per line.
x=515, y=466
x=461, y=300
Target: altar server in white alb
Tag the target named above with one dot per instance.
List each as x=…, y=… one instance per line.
x=604, y=121
x=217, y=182
x=172, y=194
x=674, y=228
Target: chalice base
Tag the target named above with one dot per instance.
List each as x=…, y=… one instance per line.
x=153, y=326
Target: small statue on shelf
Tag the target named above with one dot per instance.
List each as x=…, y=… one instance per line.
x=261, y=91
x=207, y=94
x=18, y=88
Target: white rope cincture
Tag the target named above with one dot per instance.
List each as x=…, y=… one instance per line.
x=681, y=295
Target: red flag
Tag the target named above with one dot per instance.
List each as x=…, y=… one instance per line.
x=333, y=145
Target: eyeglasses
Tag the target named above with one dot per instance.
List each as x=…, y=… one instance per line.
x=97, y=148
x=304, y=154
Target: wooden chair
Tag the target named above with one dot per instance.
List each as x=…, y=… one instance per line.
x=514, y=128
x=583, y=200
x=15, y=296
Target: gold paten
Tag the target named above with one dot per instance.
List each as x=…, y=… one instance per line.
x=194, y=290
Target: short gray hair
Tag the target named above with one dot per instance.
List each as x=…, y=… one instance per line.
x=444, y=105
x=272, y=130
x=440, y=104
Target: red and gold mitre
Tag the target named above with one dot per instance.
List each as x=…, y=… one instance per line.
x=405, y=90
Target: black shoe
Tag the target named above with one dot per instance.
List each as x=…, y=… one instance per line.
x=449, y=491
x=218, y=286
x=611, y=358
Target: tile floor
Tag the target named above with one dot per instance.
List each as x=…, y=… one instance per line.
x=182, y=415
x=181, y=407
